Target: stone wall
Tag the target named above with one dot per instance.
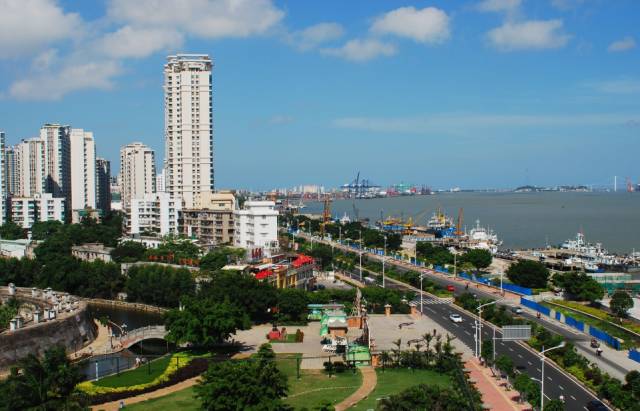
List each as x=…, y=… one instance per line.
x=72, y=331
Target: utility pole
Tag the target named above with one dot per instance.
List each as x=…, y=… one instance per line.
x=360, y=255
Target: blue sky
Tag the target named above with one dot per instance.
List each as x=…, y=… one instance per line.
x=470, y=93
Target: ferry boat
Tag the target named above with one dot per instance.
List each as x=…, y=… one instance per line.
x=593, y=257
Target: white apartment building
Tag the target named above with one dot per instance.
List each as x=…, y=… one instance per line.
x=57, y=160
x=29, y=164
x=3, y=178
x=160, y=182
x=83, y=169
x=256, y=226
x=188, y=117
x=41, y=207
x=137, y=172
x=155, y=213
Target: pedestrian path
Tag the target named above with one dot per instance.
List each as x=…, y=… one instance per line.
x=369, y=382
x=494, y=392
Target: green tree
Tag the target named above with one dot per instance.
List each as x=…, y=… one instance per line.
x=632, y=380
x=505, y=364
x=129, y=252
x=487, y=351
x=203, y=323
x=159, y=285
x=528, y=273
x=11, y=231
x=480, y=259
x=579, y=286
x=554, y=405
x=292, y=305
x=218, y=258
x=425, y=397
x=41, y=230
x=620, y=303
x=43, y=384
x=254, y=384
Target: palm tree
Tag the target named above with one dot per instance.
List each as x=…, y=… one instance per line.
x=385, y=358
x=427, y=339
x=398, y=344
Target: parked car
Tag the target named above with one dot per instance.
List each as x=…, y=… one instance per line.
x=451, y=288
x=596, y=405
x=517, y=310
x=456, y=318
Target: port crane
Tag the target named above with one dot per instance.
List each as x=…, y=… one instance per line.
x=459, y=223
x=326, y=215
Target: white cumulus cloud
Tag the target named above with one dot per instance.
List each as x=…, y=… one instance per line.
x=72, y=77
x=532, y=34
x=428, y=25
x=139, y=42
x=498, y=5
x=627, y=43
x=202, y=18
x=28, y=26
x=362, y=50
x=315, y=35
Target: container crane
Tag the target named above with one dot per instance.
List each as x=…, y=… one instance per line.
x=459, y=223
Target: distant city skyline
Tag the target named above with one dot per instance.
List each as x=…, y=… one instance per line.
x=469, y=93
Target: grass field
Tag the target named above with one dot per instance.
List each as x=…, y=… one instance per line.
x=183, y=400
x=393, y=381
x=140, y=375
x=311, y=390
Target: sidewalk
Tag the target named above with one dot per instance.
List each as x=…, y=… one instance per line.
x=494, y=393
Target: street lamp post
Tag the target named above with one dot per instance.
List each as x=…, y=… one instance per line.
x=384, y=257
x=480, y=307
x=542, y=358
x=360, y=255
x=421, y=277
x=455, y=265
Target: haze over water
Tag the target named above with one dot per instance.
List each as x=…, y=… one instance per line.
x=521, y=220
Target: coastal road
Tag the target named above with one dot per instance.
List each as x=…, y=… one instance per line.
x=556, y=382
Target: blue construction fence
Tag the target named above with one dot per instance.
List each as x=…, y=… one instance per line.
x=506, y=286
x=634, y=355
x=572, y=322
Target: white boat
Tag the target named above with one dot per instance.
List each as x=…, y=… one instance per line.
x=590, y=253
x=483, y=238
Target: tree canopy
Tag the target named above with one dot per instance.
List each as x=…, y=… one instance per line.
x=44, y=384
x=425, y=397
x=204, y=323
x=528, y=273
x=579, y=286
x=252, y=384
x=129, y=252
x=620, y=303
x=480, y=259
x=11, y=231
x=218, y=258
x=433, y=254
x=158, y=284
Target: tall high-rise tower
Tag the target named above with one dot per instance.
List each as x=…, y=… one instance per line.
x=137, y=172
x=30, y=167
x=103, y=183
x=188, y=119
x=57, y=156
x=83, y=169
x=3, y=179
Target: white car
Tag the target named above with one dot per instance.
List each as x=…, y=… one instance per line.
x=456, y=318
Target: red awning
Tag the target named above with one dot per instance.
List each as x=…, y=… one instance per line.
x=261, y=275
x=302, y=260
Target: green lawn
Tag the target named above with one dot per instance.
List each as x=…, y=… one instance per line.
x=315, y=387
x=393, y=381
x=140, y=375
x=183, y=400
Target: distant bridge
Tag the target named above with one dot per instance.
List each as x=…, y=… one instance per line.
x=144, y=333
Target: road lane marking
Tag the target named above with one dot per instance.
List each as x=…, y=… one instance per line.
x=549, y=378
x=501, y=343
x=538, y=369
x=529, y=362
x=561, y=387
x=520, y=356
x=573, y=398
x=467, y=332
x=510, y=349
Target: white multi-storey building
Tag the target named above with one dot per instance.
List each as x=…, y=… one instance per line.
x=83, y=169
x=41, y=207
x=160, y=182
x=188, y=118
x=3, y=178
x=155, y=213
x=137, y=172
x=57, y=159
x=256, y=226
x=30, y=167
